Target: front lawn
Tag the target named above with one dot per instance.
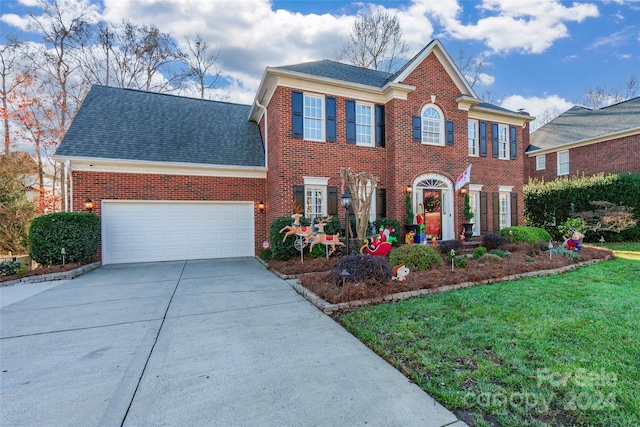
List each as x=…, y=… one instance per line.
x=556, y=350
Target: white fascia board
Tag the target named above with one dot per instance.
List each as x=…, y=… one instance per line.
x=87, y=164
x=584, y=142
x=489, y=114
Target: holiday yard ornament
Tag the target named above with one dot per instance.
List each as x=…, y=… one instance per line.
x=573, y=243
x=323, y=238
x=296, y=229
x=400, y=273
x=380, y=243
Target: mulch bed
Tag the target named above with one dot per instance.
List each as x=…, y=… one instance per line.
x=519, y=261
x=46, y=270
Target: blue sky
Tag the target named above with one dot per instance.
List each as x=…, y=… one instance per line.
x=542, y=53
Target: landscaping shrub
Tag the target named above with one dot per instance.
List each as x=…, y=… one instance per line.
x=525, y=234
x=461, y=262
x=372, y=270
x=499, y=252
x=391, y=223
x=491, y=258
x=415, y=257
x=266, y=255
x=479, y=251
x=567, y=227
x=283, y=250
x=317, y=251
x=493, y=241
x=446, y=245
x=77, y=232
x=9, y=268
x=574, y=255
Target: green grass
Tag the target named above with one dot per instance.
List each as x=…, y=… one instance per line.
x=555, y=350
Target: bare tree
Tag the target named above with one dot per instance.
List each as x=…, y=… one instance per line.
x=362, y=186
x=603, y=95
x=202, y=64
x=10, y=82
x=375, y=42
x=472, y=68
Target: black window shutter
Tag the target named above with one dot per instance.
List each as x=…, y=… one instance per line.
x=298, y=196
x=330, y=106
x=381, y=203
x=483, y=139
x=332, y=200
x=514, y=209
x=494, y=139
x=514, y=142
x=380, y=136
x=416, y=124
x=484, y=219
x=351, y=121
x=496, y=211
x=449, y=127
x=297, y=128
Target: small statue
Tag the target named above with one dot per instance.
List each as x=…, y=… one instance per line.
x=400, y=273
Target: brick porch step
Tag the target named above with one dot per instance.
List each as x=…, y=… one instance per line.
x=468, y=247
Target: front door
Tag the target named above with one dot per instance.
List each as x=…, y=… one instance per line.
x=432, y=211
x=434, y=202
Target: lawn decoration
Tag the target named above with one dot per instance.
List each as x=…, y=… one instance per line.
x=400, y=273
x=296, y=229
x=409, y=237
x=323, y=238
x=380, y=243
x=573, y=243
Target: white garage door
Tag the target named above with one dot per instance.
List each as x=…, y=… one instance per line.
x=143, y=231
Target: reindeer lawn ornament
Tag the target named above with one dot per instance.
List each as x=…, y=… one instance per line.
x=323, y=238
x=296, y=229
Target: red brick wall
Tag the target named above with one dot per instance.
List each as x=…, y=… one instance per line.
x=616, y=155
x=134, y=186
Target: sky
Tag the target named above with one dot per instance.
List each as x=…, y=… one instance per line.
x=542, y=54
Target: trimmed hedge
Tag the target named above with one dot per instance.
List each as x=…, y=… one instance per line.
x=415, y=257
x=525, y=234
x=391, y=223
x=548, y=204
x=77, y=232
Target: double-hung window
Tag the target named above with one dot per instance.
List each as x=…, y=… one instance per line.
x=541, y=162
x=473, y=138
x=315, y=201
x=432, y=126
x=313, y=117
x=503, y=142
x=505, y=209
x=563, y=162
x=364, y=124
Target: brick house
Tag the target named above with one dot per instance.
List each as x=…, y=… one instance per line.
x=156, y=165
x=582, y=141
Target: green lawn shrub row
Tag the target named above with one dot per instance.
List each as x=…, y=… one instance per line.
x=525, y=234
x=78, y=233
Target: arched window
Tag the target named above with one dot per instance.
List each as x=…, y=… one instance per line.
x=432, y=125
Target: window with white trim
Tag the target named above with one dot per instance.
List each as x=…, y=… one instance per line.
x=313, y=117
x=315, y=201
x=472, y=133
x=505, y=209
x=541, y=162
x=563, y=162
x=364, y=124
x=432, y=125
x=503, y=142
x=474, y=202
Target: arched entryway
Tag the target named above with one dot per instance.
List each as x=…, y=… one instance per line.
x=433, y=198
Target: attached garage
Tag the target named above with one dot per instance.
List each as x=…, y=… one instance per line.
x=145, y=231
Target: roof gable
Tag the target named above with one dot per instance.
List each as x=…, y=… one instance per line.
x=340, y=71
x=127, y=124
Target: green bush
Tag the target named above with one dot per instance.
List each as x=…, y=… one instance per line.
x=415, y=257
x=574, y=255
x=77, y=232
x=567, y=227
x=491, y=258
x=372, y=270
x=547, y=204
x=9, y=268
x=479, y=251
x=525, y=234
x=266, y=254
x=317, y=251
x=499, y=252
x=461, y=262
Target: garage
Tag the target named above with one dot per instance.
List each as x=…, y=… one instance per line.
x=146, y=231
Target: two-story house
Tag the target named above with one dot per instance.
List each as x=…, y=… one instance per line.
x=178, y=178
x=582, y=141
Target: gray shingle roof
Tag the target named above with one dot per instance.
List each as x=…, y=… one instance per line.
x=339, y=71
x=129, y=124
x=580, y=124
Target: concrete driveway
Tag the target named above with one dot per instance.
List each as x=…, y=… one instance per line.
x=193, y=343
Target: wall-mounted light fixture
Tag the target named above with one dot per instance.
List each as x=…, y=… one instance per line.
x=463, y=191
x=409, y=188
x=261, y=206
x=88, y=204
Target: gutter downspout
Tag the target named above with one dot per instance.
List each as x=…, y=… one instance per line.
x=266, y=133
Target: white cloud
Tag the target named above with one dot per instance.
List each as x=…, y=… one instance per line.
x=527, y=26
x=486, y=79
x=543, y=109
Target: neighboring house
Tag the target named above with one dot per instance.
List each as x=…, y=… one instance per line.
x=584, y=142
x=180, y=178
